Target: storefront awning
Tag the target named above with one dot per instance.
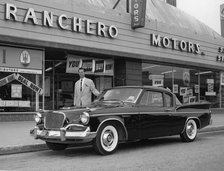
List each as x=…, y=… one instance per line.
x=160, y=11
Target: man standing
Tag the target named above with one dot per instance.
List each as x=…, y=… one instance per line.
x=84, y=88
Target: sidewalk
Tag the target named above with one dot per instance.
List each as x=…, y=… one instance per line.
x=15, y=136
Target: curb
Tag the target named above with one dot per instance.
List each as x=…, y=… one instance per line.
x=212, y=129
x=41, y=147
x=22, y=149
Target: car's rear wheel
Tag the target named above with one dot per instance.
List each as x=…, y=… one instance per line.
x=107, y=138
x=190, y=132
x=56, y=146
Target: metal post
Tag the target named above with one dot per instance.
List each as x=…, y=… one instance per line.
x=43, y=80
x=199, y=84
x=116, y=4
x=127, y=6
x=53, y=86
x=220, y=91
x=172, y=78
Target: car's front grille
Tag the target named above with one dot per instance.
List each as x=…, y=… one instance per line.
x=54, y=120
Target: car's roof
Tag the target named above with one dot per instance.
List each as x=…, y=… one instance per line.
x=145, y=87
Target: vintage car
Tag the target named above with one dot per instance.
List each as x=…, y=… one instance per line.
x=122, y=114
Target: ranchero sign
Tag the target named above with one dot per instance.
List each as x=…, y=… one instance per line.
x=64, y=22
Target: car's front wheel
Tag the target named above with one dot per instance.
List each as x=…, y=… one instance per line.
x=56, y=146
x=190, y=132
x=107, y=138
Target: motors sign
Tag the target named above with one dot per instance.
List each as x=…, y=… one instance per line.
x=138, y=8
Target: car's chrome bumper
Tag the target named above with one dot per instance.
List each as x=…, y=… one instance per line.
x=63, y=134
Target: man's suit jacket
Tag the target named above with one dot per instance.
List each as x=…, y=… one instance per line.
x=84, y=97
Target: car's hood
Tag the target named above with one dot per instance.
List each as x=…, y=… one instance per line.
x=73, y=113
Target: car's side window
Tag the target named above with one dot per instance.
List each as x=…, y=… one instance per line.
x=168, y=100
x=151, y=98
x=144, y=99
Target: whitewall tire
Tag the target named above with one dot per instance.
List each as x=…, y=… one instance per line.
x=107, y=139
x=190, y=132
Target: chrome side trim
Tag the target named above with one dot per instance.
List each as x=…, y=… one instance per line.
x=136, y=113
x=114, y=114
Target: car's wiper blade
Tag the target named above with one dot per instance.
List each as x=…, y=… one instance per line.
x=114, y=100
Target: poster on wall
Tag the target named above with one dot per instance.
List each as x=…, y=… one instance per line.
x=175, y=88
x=183, y=91
x=99, y=66
x=109, y=67
x=16, y=91
x=190, y=92
x=192, y=99
x=196, y=88
x=222, y=78
x=186, y=77
x=185, y=99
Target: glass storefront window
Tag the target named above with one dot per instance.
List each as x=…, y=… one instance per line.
x=186, y=84
x=20, y=92
x=209, y=87
x=190, y=85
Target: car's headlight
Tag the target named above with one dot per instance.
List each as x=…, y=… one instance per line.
x=84, y=118
x=37, y=118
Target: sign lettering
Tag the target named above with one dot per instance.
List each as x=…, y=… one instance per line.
x=29, y=84
x=220, y=58
x=64, y=22
x=138, y=8
x=7, y=79
x=185, y=46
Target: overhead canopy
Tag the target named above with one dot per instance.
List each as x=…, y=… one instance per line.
x=161, y=12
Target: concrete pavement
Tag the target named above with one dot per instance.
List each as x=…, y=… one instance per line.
x=15, y=136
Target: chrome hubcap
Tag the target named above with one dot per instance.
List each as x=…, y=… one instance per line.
x=191, y=130
x=108, y=138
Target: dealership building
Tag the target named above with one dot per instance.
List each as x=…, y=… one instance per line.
x=43, y=43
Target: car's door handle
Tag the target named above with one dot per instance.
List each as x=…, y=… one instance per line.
x=168, y=110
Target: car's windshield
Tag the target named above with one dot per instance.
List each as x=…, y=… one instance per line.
x=122, y=94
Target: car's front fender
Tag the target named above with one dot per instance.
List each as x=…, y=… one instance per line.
x=97, y=122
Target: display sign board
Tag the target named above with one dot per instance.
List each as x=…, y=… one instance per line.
x=138, y=9
x=20, y=60
x=29, y=84
x=7, y=79
x=14, y=103
x=16, y=91
x=91, y=65
x=175, y=88
x=157, y=82
x=23, y=80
